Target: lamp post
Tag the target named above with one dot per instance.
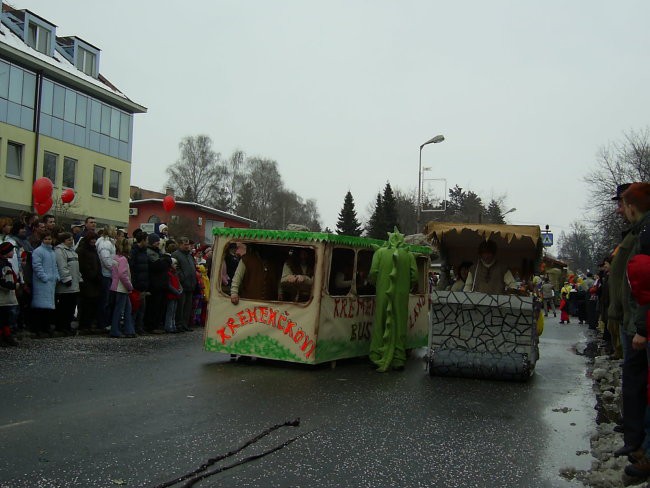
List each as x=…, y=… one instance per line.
x=433, y=140
x=513, y=209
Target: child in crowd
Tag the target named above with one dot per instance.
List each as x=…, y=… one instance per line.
x=121, y=286
x=45, y=275
x=205, y=288
x=198, y=299
x=174, y=291
x=564, y=309
x=8, y=300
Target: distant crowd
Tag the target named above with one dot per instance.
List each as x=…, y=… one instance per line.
x=64, y=281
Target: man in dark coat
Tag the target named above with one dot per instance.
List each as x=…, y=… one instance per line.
x=187, y=276
x=635, y=363
x=90, y=287
x=139, y=262
x=158, y=266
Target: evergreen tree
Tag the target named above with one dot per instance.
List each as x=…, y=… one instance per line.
x=389, y=210
x=493, y=215
x=348, y=224
x=375, y=227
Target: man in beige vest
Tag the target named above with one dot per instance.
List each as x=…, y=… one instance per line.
x=489, y=276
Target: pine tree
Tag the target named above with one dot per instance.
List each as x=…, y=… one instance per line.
x=348, y=224
x=493, y=215
x=375, y=227
x=389, y=210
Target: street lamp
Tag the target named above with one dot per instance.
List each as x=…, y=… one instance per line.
x=513, y=209
x=433, y=140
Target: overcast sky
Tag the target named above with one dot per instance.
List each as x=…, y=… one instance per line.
x=341, y=93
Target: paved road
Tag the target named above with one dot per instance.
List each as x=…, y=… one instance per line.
x=99, y=412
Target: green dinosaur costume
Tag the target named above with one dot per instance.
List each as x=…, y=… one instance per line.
x=393, y=271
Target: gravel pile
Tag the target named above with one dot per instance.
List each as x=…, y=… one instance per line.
x=606, y=470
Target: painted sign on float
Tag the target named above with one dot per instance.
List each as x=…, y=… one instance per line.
x=268, y=318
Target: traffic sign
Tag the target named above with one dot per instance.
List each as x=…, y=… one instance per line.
x=547, y=239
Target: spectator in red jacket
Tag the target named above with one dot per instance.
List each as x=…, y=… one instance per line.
x=174, y=292
x=638, y=273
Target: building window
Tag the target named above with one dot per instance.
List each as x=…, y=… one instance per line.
x=16, y=84
x=70, y=105
x=114, y=184
x=38, y=38
x=80, y=118
x=14, y=159
x=86, y=61
x=5, y=69
x=49, y=166
x=98, y=180
x=69, y=172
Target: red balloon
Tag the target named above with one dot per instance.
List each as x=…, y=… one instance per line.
x=43, y=207
x=169, y=203
x=67, y=196
x=42, y=189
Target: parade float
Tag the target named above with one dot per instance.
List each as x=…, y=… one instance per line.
x=481, y=335
x=330, y=320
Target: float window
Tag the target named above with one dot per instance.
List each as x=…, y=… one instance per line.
x=341, y=272
x=364, y=260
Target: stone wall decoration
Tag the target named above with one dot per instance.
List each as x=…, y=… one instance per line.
x=482, y=336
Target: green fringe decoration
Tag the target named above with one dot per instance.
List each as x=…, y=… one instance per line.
x=301, y=236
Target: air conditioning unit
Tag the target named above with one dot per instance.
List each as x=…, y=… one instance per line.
x=133, y=211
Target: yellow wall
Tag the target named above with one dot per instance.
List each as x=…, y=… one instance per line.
x=16, y=193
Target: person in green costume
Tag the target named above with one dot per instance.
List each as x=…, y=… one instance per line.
x=393, y=272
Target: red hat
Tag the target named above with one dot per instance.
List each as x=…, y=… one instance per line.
x=6, y=248
x=638, y=274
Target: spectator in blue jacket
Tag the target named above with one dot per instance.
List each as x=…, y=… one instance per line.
x=45, y=275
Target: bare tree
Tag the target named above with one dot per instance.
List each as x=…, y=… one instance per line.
x=258, y=195
x=577, y=247
x=620, y=162
x=196, y=176
x=232, y=178
x=184, y=226
x=407, y=211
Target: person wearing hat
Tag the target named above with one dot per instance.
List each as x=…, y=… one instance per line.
x=77, y=229
x=163, y=232
x=489, y=276
x=635, y=362
x=8, y=301
x=158, y=267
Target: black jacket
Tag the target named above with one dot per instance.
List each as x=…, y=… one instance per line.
x=159, y=263
x=139, y=262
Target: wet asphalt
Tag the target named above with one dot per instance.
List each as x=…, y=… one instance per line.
x=90, y=411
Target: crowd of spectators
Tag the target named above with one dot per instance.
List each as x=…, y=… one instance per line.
x=83, y=279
